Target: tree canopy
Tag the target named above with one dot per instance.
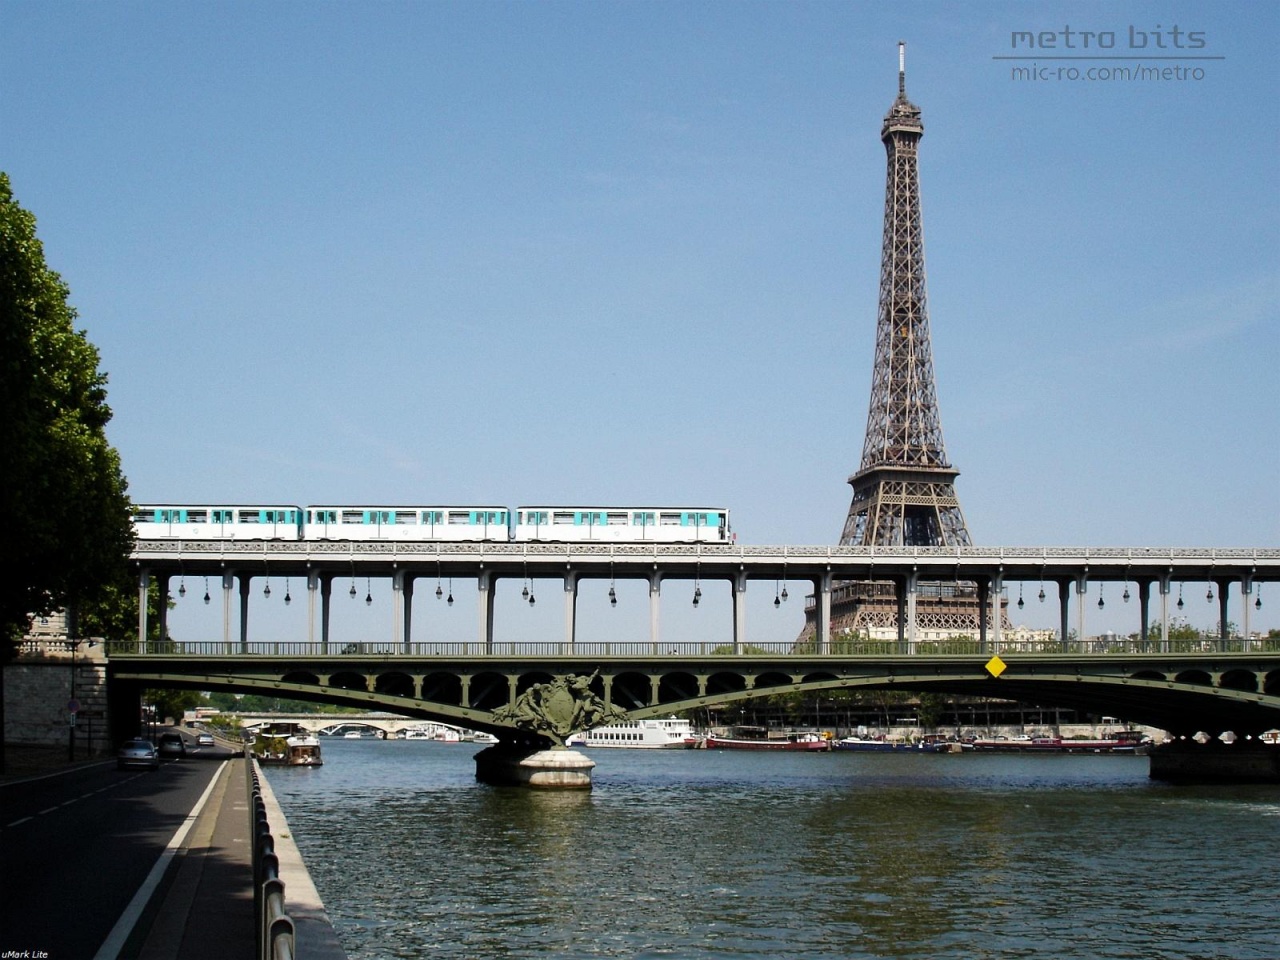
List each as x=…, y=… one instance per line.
x=63, y=503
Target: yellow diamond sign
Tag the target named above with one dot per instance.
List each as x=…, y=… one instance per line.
x=995, y=666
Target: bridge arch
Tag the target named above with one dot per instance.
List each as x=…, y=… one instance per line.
x=489, y=691
x=1198, y=678
x=394, y=684
x=442, y=687
x=630, y=689
x=726, y=681
x=349, y=680
x=1245, y=680
x=677, y=685
x=302, y=676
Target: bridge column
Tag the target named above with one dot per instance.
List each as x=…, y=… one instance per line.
x=326, y=597
x=484, y=587
x=402, y=608
x=912, y=585
x=228, y=581
x=822, y=587
x=313, y=585
x=984, y=596
x=1246, y=594
x=1224, y=590
x=655, y=597
x=570, y=609
x=162, y=608
x=1082, y=587
x=1166, y=584
x=739, y=586
x=997, y=594
x=144, y=586
x=1064, y=633
x=1144, y=611
x=900, y=615
x=246, y=581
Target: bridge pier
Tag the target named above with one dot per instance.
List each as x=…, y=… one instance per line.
x=1189, y=761
x=513, y=765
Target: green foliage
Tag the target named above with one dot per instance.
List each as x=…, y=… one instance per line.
x=63, y=499
x=173, y=703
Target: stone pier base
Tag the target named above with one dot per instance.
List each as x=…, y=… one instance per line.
x=1186, y=761
x=556, y=769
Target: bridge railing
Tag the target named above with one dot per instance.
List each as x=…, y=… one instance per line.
x=507, y=650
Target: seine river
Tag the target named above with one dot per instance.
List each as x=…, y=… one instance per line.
x=698, y=854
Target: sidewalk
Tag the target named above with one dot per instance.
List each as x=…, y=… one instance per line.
x=207, y=910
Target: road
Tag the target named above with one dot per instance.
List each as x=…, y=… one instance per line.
x=77, y=846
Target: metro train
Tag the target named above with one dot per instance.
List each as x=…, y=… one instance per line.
x=442, y=524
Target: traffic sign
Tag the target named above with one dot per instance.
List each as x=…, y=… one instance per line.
x=73, y=705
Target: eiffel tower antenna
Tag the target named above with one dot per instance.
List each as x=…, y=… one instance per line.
x=903, y=492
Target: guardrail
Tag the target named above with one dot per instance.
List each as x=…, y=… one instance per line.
x=275, y=933
x=508, y=650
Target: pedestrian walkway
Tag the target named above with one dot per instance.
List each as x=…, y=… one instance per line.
x=207, y=909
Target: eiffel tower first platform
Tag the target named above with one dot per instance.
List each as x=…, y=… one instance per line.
x=904, y=491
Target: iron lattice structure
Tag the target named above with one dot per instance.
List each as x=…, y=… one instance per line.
x=904, y=491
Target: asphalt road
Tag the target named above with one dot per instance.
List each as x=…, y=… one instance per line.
x=75, y=847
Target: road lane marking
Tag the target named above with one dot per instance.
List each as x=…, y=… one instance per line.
x=16, y=822
x=115, y=941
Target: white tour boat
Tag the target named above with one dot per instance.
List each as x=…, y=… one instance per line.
x=639, y=735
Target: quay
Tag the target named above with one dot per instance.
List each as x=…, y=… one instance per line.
x=197, y=901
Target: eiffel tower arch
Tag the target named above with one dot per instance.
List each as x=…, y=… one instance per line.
x=904, y=490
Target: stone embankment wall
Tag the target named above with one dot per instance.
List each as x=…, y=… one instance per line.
x=38, y=686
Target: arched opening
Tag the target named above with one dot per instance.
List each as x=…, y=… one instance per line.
x=348, y=681
x=630, y=690
x=773, y=679
x=1244, y=680
x=442, y=688
x=1271, y=684
x=725, y=682
x=677, y=686
x=395, y=684
x=488, y=691
x=1198, y=678
x=302, y=677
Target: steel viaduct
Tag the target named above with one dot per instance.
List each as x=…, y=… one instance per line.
x=1231, y=683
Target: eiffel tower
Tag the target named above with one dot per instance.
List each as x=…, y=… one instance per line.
x=904, y=491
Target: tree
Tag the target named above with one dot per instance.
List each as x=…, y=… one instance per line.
x=63, y=503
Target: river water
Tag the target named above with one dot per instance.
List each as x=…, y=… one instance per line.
x=696, y=854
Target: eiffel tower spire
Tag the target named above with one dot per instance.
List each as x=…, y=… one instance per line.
x=903, y=492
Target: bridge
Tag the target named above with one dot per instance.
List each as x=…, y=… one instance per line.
x=991, y=569
x=1228, y=684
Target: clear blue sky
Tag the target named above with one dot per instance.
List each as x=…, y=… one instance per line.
x=619, y=253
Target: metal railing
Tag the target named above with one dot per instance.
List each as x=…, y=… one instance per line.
x=275, y=933
x=839, y=647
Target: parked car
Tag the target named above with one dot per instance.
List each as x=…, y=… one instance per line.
x=172, y=745
x=137, y=753
x=204, y=740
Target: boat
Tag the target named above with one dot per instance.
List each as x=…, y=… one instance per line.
x=1122, y=741
x=872, y=745
x=667, y=734
x=803, y=742
x=287, y=745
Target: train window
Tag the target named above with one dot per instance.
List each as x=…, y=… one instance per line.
x=223, y=516
x=459, y=516
x=617, y=519
x=560, y=517
x=432, y=516
x=406, y=516
x=197, y=516
x=249, y=516
x=323, y=516
x=642, y=519
x=353, y=516
x=670, y=519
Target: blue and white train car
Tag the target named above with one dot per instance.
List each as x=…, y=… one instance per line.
x=623, y=524
x=190, y=522
x=406, y=523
